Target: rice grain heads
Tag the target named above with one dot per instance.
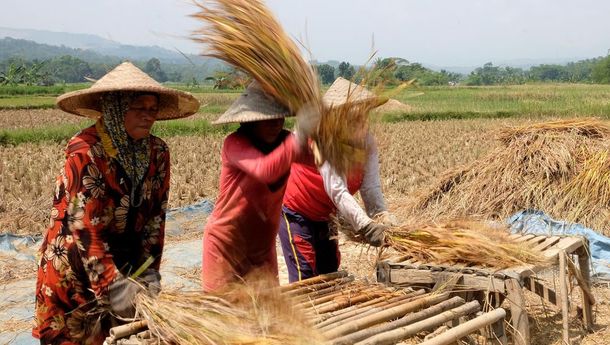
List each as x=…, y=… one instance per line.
x=559, y=167
x=463, y=243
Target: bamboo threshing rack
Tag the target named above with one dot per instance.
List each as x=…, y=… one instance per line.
x=349, y=311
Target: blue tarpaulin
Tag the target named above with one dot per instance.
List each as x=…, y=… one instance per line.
x=537, y=222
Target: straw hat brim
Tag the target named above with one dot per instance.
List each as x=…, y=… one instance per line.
x=337, y=95
x=253, y=105
x=173, y=104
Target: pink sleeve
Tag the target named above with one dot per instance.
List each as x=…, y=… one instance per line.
x=239, y=152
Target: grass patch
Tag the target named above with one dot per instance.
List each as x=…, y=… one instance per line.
x=27, y=102
x=539, y=100
x=32, y=90
x=62, y=133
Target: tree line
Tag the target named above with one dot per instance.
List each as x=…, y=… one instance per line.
x=70, y=69
x=389, y=71
x=392, y=71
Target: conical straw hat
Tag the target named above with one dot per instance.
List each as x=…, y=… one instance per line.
x=253, y=105
x=173, y=104
x=343, y=90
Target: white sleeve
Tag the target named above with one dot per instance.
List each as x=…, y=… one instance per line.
x=336, y=189
x=370, y=191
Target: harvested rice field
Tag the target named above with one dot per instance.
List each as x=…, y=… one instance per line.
x=413, y=155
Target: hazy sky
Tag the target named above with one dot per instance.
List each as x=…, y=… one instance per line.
x=439, y=32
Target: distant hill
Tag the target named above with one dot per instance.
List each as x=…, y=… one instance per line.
x=86, y=47
x=61, y=68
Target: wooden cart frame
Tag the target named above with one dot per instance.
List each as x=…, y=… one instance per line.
x=507, y=283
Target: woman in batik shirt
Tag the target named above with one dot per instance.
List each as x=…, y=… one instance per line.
x=108, y=214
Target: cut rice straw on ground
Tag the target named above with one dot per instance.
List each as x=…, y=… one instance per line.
x=246, y=35
x=251, y=313
x=465, y=243
x=559, y=167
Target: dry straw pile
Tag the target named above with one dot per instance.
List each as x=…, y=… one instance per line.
x=246, y=35
x=250, y=313
x=559, y=167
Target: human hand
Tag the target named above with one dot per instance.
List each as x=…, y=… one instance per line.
x=374, y=233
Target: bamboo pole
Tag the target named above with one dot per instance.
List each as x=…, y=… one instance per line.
x=338, y=284
x=377, y=309
x=346, y=301
x=352, y=315
x=456, y=333
x=563, y=284
x=398, y=334
x=128, y=329
x=404, y=321
x=385, y=315
x=317, y=279
x=321, y=302
x=355, y=310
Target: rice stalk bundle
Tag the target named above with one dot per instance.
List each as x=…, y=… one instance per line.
x=250, y=313
x=246, y=35
x=463, y=242
x=546, y=166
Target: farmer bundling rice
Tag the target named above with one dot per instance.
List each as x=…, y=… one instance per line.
x=313, y=194
x=241, y=231
x=108, y=214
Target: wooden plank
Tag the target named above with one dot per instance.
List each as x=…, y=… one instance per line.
x=567, y=244
x=520, y=272
x=583, y=264
x=524, y=238
x=541, y=290
x=535, y=240
x=520, y=321
x=563, y=285
x=547, y=243
x=418, y=277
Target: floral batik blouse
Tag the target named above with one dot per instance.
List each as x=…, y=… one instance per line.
x=96, y=237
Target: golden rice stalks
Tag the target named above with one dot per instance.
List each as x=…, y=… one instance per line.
x=245, y=34
x=588, y=127
x=463, y=242
x=252, y=313
x=587, y=195
x=557, y=167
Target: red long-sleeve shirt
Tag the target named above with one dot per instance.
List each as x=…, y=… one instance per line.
x=240, y=233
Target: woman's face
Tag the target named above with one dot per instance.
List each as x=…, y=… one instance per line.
x=141, y=115
x=268, y=130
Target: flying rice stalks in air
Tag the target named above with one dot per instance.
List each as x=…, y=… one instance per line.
x=246, y=35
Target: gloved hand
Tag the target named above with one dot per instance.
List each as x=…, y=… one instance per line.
x=386, y=218
x=121, y=294
x=374, y=233
x=308, y=119
x=152, y=280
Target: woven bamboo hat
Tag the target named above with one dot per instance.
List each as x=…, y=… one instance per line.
x=253, y=105
x=173, y=104
x=343, y=90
